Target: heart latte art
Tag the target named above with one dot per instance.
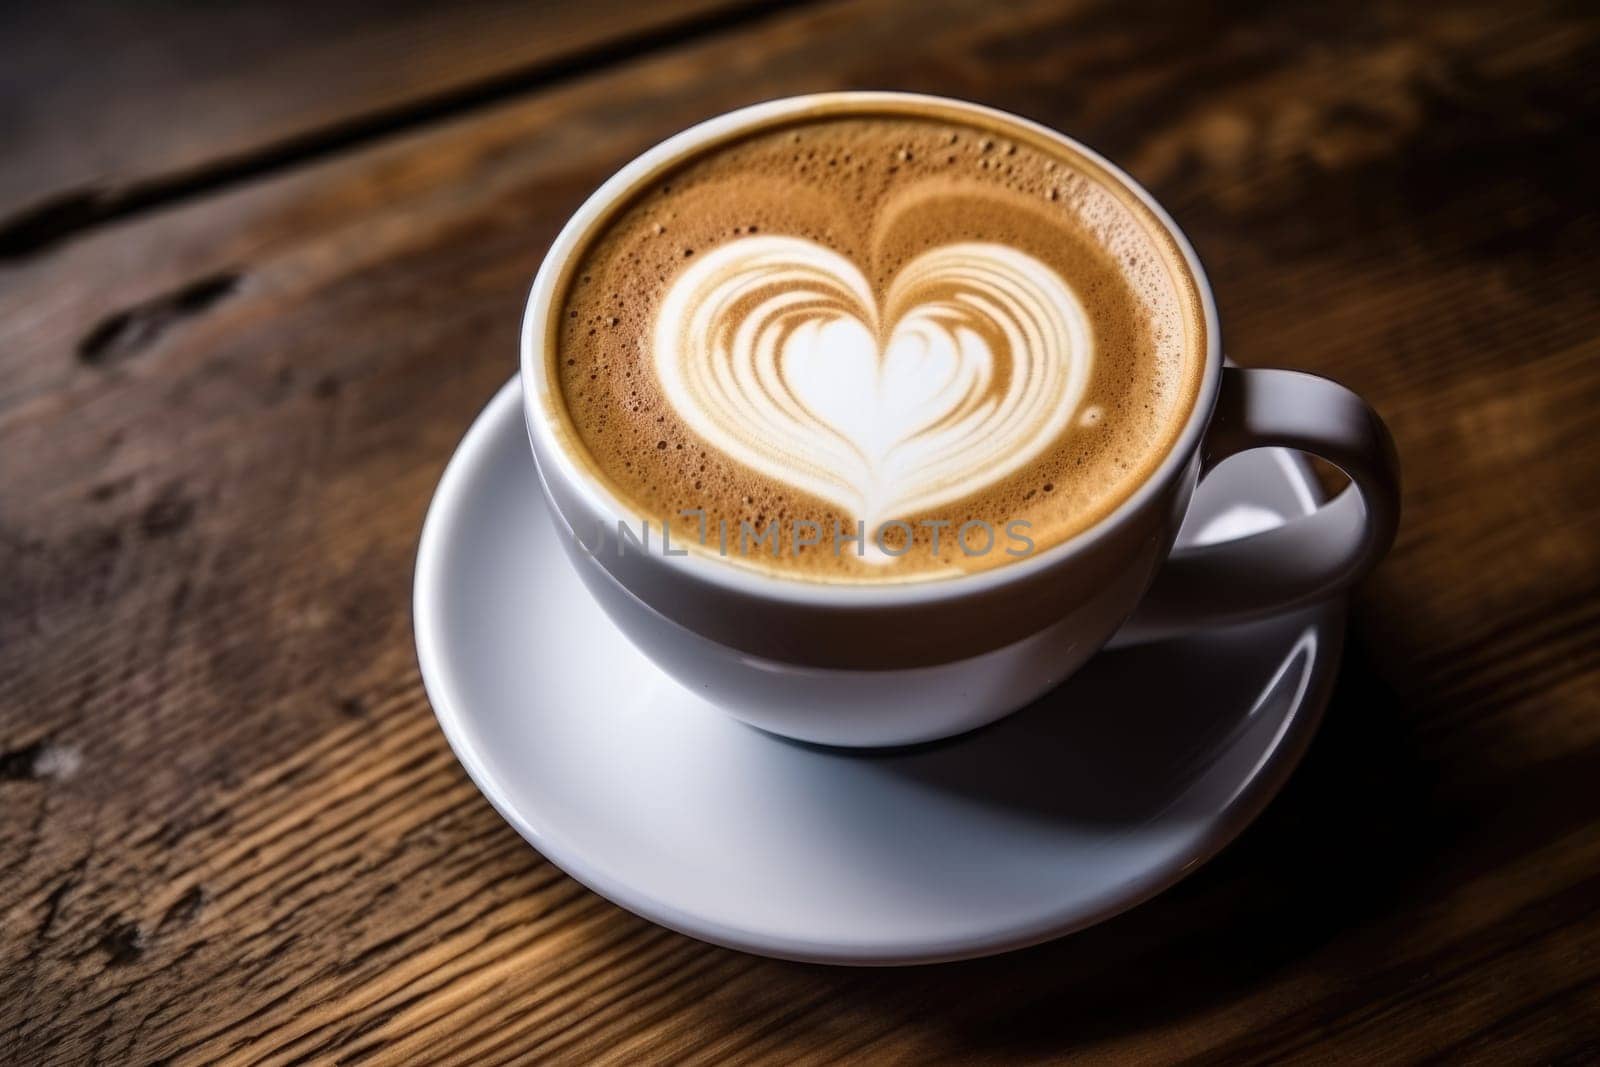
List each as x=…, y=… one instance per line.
x=776, y=351
x=912, y=321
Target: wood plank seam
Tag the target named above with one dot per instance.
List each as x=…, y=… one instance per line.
x=74, y=211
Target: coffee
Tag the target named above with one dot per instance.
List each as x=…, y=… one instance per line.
x=959, y=341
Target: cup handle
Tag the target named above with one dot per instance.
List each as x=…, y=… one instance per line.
x=1307, y=558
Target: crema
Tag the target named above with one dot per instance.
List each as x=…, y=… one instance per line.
x=877, y=347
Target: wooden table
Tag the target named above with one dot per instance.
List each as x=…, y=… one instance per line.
x=260, y=268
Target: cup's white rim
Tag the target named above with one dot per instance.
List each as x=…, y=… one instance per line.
x=747, y=581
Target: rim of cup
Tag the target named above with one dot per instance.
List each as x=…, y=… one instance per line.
x=550, y=280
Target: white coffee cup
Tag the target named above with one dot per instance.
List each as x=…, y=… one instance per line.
x=884, y=664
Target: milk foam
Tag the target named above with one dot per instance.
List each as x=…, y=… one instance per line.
x=898, y=319
x=775, y=350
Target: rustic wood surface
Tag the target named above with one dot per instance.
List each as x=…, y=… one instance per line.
x=235, y=354
x=117, y=106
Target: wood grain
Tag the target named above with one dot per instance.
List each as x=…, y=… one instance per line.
x=112, y=108
x=230, y=829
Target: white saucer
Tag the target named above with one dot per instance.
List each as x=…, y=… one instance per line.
x=1095, y=798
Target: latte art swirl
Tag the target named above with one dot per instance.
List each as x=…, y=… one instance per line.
x=775, y=351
